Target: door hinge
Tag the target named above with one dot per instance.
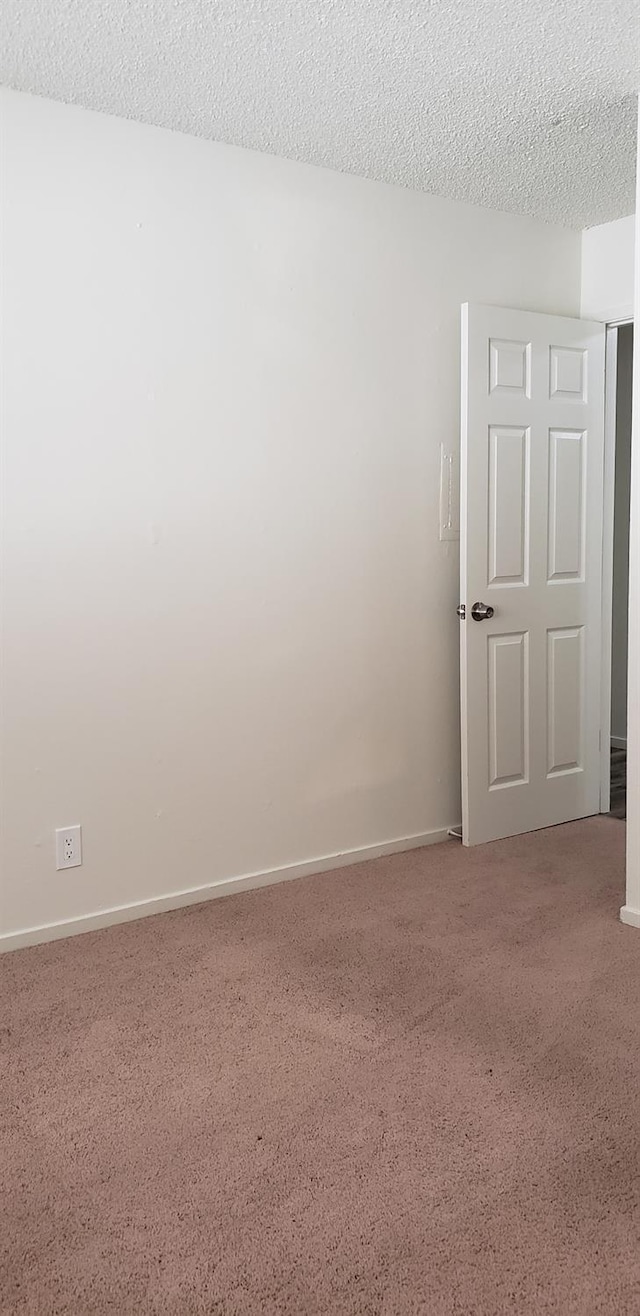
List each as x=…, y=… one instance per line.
x=461, y=611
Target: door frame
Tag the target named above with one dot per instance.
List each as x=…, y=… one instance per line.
x=630, y=911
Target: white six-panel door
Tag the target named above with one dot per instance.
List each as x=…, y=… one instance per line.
x=531, y=550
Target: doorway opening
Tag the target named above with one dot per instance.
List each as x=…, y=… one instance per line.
x=546, y=505
x=620, y=590
x=619, y=386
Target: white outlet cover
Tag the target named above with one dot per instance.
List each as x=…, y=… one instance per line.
x=69, y=846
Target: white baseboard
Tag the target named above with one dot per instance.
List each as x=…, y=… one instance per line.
x=630, y=916
x=618, y=742
x=227, y=886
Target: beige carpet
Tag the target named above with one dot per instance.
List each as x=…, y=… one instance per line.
x=408, y=1087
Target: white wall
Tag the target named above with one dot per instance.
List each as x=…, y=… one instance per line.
x=620, y=593
x=229, y=632
x=607, y=270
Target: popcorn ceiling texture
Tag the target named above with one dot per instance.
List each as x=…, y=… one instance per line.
x=520, y=105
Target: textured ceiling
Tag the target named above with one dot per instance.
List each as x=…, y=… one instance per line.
x=522, y=105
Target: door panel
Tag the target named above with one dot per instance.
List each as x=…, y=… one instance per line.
x=566, y=504
x=565, y=714
x=509, y=367
x=508, y=710
x=567, y=374
x=531, y=549
x=508, y=505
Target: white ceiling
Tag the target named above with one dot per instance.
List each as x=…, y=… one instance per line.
x=522, y=105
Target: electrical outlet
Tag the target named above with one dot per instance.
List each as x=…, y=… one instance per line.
x=68, y=847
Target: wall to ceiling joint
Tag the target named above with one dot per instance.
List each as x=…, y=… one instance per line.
x=507, y=104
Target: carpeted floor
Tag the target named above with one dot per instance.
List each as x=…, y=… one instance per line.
x=407, y=1087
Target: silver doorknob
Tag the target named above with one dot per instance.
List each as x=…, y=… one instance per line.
x=481, y=611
